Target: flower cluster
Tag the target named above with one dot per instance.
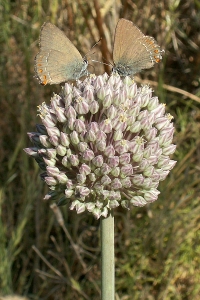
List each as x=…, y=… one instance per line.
x=103, y=143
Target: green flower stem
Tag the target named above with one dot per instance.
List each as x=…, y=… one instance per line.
x=107, y=258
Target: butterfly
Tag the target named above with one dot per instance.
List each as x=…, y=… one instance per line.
x=133, y=51
x=58, y=59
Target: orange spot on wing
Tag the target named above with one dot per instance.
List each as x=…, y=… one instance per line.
x=150, y=42
x=157, y=60
x=45, y=81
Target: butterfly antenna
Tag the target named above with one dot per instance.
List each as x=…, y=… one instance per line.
x=107, y=64
x=107, y=61
x=92, y=48
x=100, y=62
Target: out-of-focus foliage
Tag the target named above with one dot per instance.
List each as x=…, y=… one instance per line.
x=157, y=247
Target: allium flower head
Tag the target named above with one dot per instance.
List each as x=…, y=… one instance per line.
x=103, y=143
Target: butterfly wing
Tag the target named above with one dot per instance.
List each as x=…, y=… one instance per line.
x=58, y=59
x=133, y=51
x=126, y=34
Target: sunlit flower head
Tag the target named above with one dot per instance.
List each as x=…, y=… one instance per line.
x=103, y=143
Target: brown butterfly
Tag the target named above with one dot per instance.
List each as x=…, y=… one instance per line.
x=58, y=59
x=133, y=51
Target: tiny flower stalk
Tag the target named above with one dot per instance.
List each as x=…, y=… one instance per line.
x=103, y=143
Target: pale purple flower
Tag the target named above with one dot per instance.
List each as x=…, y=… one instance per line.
x=104, y=143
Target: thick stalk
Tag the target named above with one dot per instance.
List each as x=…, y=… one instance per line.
x=107, y=258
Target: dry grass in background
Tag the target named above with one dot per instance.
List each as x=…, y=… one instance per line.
x=157, y=247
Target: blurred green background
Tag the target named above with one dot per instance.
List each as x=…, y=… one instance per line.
x=158, y=246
